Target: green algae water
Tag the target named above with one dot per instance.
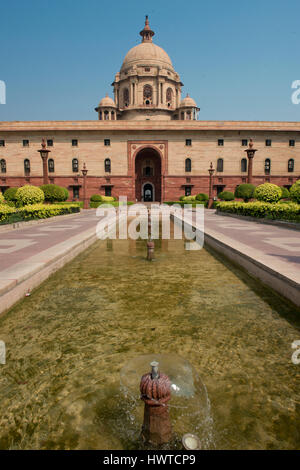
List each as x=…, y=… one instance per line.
x=68, y=341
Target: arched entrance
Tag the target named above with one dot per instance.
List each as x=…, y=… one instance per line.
x=148, y=175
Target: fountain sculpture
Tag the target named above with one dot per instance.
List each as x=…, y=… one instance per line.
x=155, y=390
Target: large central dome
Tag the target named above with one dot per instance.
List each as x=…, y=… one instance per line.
x=145, y=54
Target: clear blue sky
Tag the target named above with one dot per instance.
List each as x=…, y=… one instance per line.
x=236, y=58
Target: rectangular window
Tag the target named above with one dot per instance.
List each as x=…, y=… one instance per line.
x=107, y=142
x=220, y=142
x=107, y=191
x=188, y=142
x=2, y=143
x=188, y=191
x=244, y=143
x=25, y=143
x=74, y=143
x=292, y=143
x=268, y=143
x=49, y=143
x=75, y=192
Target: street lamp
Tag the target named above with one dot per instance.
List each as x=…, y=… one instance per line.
x=84, y=172
x=211, y=171
x=250, y=154
x=44, y=155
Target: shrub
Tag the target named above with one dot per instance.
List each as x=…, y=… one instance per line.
x=96, y=198
x=268, y=192
x=10, y=194
x=295, y=192
x=283, y=211
x=53, y=192
x=188, y=198
x=202, y=197
x=226, y=196
x=107, y=199
x=67, y=195
x=28, y=194
x=35, y=211
x=245, y=191
x=1, y=198
x=285, y=194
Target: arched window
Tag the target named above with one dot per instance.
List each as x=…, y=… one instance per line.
x=267, y=166
x=182, y=116
x=106, y=115
x=243, y=165
x=169, y=97
x=113, y=115
x=220, y=165
x=26, y=166
x=147, y=94
x=126, y=97
x=51, y=165
x=188, y=164
x=75, y=165
x=291, y=165
x=107, y=165
x=189, y=115
x=3, y=166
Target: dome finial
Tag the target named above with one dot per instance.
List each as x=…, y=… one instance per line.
x=147, y=33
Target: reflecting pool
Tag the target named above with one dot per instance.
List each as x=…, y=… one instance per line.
x=67, y=343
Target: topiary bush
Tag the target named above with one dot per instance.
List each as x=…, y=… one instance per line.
x=285, y=194
x=202, y=197
x=10, y=195
x=226, y=196
x=53, y=192
x=96, y=198
x=67, y=195
x=1, y=198
x=268, y=192
x=275, y=211
x=295, y=192
x=28, y=194
x=244, y=191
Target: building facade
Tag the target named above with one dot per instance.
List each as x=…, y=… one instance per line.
x=147, y=143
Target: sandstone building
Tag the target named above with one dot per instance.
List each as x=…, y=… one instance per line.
x=147, y=143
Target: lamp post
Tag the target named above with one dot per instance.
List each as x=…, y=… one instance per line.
x=250, y=154
x=44, y=155
x=84, y=172
x=211, y=171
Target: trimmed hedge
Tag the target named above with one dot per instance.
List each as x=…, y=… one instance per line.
x=10, y=194
x=28, y=194
x=54, y=193
x=295, y=192
x=226, y=196
x=202, y=197
x=95, y=204
x=1, y=198
x=285, y=194
x=275, y=211
x=268, y=192
x=244, y=191
x=34, y=211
